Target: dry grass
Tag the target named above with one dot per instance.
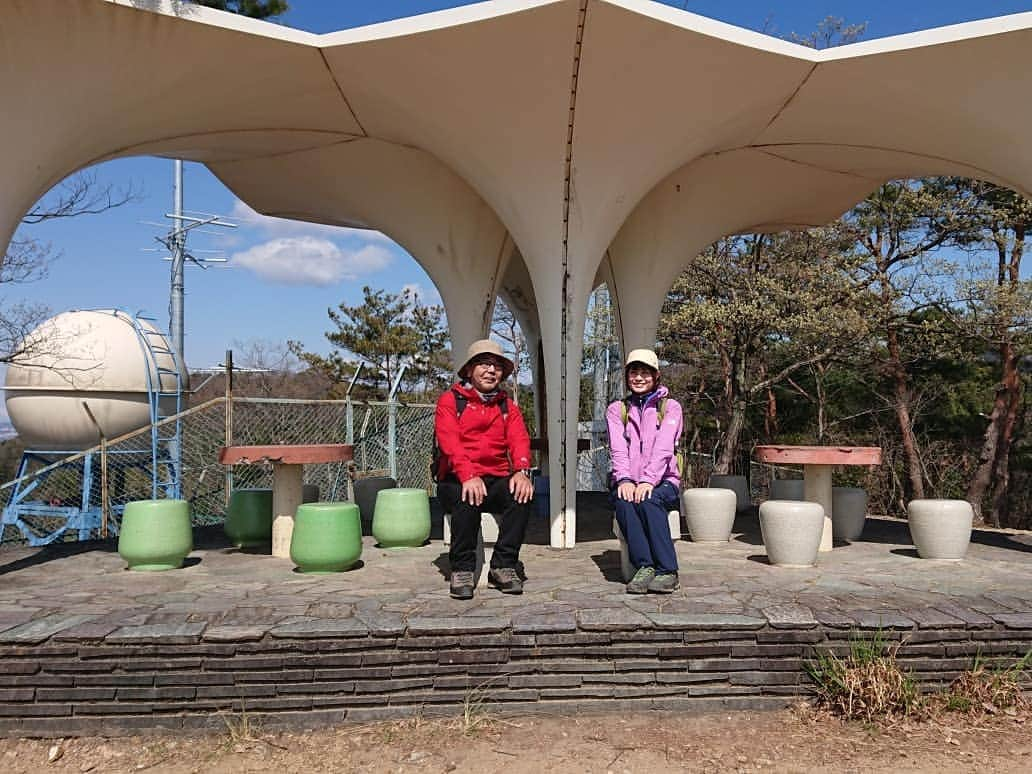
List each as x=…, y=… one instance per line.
x=867, y=684
x=989, y=690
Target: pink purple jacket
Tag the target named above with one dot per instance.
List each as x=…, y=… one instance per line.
x=640, y=452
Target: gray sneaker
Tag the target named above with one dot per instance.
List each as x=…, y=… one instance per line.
x=664, y=583
x=506, y=580
x=461, y=585
x=639, y=584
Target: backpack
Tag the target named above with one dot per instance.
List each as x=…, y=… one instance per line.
x=437, y=456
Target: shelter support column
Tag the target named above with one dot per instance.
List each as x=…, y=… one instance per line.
x=562, y=334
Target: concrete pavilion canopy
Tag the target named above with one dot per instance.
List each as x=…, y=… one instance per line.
x=524, y=148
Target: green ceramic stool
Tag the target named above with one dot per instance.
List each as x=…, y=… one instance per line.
x=327, y=537
x=249, y=517
x=155, y=534
x=401, y=518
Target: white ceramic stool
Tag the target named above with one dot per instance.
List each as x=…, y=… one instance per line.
x=940, y=529
x=791, y=532
x=709, y=514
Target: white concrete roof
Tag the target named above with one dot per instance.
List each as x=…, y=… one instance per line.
x=552, y=133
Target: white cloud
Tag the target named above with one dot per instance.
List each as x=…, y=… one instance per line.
x=281, y=227
x=308, y=260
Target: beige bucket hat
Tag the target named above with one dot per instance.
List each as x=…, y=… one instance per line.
x=486, y=347
x=644, y=356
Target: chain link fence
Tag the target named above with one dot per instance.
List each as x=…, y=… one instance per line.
x=68, y=497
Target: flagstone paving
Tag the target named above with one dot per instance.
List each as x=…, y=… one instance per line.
x=82, y=592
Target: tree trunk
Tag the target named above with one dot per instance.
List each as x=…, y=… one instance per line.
x=737, y=406
x=822, y=401
x=901, y=407
x=770, y=416
x=1013, y=388
x=729, y=450
x=987, y=459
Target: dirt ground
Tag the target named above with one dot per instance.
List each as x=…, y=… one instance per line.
x=790, y=740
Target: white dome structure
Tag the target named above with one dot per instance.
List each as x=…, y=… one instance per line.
x=106, y=359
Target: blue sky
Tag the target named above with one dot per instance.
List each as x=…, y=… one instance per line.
x=103, y=261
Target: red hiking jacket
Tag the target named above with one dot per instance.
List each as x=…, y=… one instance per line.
x=481, y=441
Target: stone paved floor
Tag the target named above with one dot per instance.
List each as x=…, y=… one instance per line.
x=82, y=592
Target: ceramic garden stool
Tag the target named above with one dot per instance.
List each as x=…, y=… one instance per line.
x=327, y=537
x=848, y=512
x=155, y=534
x=940, y=529
x=249, y=517
x=791, y=531
x=737, y=484
x=709, y=514
x=786, y=489
x=366, y=490
x=626, y=568
x=401, y=518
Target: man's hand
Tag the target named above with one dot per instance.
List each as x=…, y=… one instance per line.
x=626, y=491
x=642, y=492
x=521, y=487
x=474, y=491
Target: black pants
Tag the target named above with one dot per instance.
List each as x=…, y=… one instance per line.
x=465, y=523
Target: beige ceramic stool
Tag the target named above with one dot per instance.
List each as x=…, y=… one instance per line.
x=709, y=514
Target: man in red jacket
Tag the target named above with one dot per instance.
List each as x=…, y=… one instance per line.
x=484, y=466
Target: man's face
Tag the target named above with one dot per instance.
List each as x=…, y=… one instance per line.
x=486, y=372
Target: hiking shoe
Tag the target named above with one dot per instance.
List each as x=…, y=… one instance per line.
x=506, y=580
x=664, y=583
x=461, y=585
x=639, y=584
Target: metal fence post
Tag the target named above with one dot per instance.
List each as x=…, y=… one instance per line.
x=229, y=421
x=392, y=426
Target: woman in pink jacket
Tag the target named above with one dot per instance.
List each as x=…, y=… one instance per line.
x=645, y=484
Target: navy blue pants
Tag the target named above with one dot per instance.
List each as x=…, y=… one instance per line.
x=646, y=528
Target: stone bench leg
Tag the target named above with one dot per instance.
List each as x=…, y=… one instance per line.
x=626, y=568
x=489, y=527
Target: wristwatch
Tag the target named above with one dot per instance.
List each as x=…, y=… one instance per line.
x=525, y=471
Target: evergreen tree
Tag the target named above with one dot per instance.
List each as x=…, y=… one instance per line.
x=388, y=331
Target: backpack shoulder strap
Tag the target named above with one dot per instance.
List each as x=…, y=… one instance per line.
x=623, y=411
x=660, y=410
x=460, y=403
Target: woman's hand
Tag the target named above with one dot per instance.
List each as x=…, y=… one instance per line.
x=626, y=491
x=642, y=491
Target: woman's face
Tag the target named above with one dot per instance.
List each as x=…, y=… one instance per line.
x=641, y=379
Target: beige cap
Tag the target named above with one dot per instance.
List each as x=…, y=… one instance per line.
x=645, y=356
x=486, y=347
